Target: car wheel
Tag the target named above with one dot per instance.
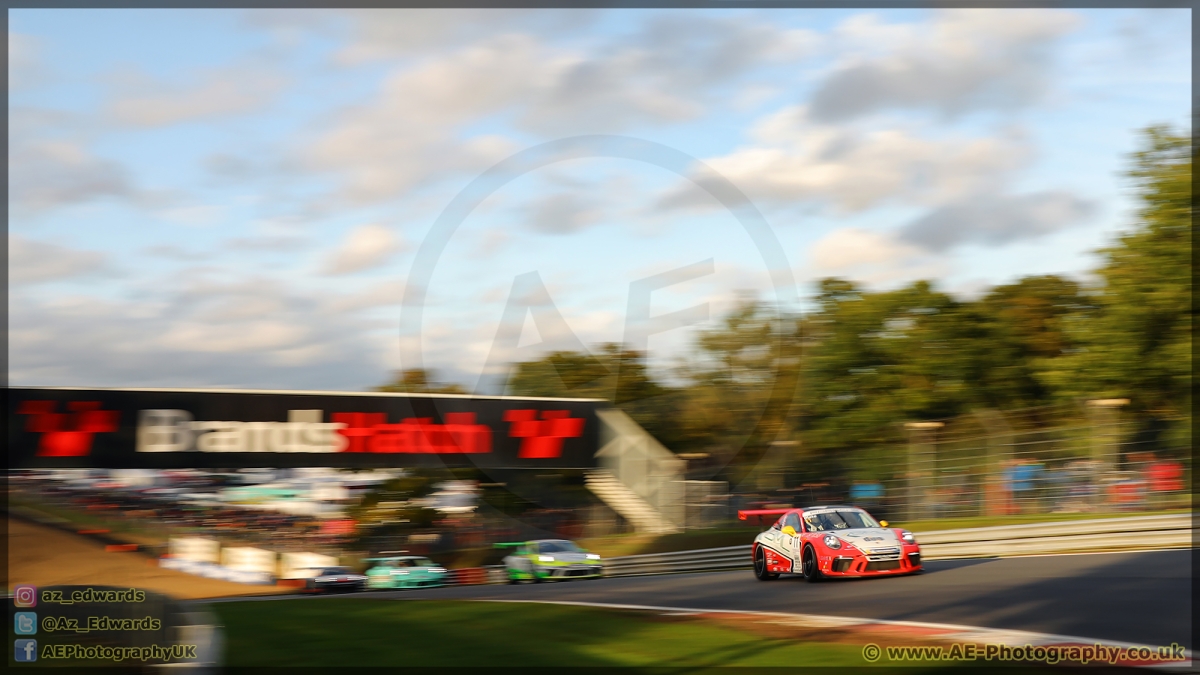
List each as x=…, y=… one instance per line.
x=808, y=563
x=760, y=566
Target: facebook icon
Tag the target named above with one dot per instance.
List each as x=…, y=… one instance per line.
x=26, y=651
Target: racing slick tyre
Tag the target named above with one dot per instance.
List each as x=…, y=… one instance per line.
x=812, y=573
x=760, y=567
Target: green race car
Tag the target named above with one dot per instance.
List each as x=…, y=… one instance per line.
x=549, y=559
x=406, y=571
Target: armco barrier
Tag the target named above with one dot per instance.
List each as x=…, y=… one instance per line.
x=703, y=560
x=1109, y=534
x=1106, y=534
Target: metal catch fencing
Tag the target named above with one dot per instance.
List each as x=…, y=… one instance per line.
x=1056, y=459
x=1142, y=532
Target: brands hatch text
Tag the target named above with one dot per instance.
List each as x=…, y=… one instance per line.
x=176, y=431
x=134, y=428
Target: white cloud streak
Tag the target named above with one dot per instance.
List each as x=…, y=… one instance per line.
x=31, y=261
x=366, y=247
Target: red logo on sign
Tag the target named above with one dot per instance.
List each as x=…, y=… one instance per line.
x=337, y=527
x=370, y=432
x=542, y=439
x=67, y=434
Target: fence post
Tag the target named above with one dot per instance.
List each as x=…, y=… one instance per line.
x=922, y=457
x=1105, y=414
x=999, y=442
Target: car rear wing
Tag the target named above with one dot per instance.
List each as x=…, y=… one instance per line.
x=759, y=514
x=510, y=544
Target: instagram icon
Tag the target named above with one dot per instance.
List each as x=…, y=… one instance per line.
x=25, y=596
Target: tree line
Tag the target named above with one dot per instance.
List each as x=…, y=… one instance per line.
x=848, y=373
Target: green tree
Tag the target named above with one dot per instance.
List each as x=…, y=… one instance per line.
x=740, y=386
x=1137, y=342
x=419, y=381
x=874, y=360
x=614, y=373
x=1026, y=327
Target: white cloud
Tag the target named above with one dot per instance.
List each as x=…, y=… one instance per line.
x=404, y=136
x=964, y=59
x=382, y=294
x=24, y=65
x=366, y=247
x=795, y=160
x=380, y=34
x=873, y=258
x=197, y=328
x=372, y=35
x=141, y=102
x=563, y=213
x=997, y=219
x=45, y=174
x=666, y=73
x=32, y=261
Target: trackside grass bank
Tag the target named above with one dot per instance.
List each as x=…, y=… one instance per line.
x=365, y=632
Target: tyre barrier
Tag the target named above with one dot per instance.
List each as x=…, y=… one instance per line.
x=470, y=576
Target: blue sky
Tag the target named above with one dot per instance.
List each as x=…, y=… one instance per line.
x=237, y=198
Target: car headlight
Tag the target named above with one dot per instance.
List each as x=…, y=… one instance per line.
x=592, y=556
x=908, y=537
x=832, y=541
x=545, y=558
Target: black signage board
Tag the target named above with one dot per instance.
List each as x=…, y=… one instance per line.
x=175, y=429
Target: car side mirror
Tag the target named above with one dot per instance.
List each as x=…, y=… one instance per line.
x=883, y=523
x=789, y=530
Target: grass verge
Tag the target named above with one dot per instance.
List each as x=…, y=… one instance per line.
x=363, y=632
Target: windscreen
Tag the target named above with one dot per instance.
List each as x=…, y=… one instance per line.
x=825, y=521
x=557, y=547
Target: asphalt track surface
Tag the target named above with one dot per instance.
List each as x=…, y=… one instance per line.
x=1138, y=597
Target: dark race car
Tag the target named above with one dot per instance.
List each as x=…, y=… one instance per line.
x=327, y=579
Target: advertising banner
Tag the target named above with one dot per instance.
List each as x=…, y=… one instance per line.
x=247, y=559
x=169, y=429
x=303, y=565
x=195, y=549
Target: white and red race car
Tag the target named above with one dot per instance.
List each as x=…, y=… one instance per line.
x=831, y=541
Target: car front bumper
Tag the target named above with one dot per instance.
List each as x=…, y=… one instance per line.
x=353, y=585
x=568, y=571
x=847, y=562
